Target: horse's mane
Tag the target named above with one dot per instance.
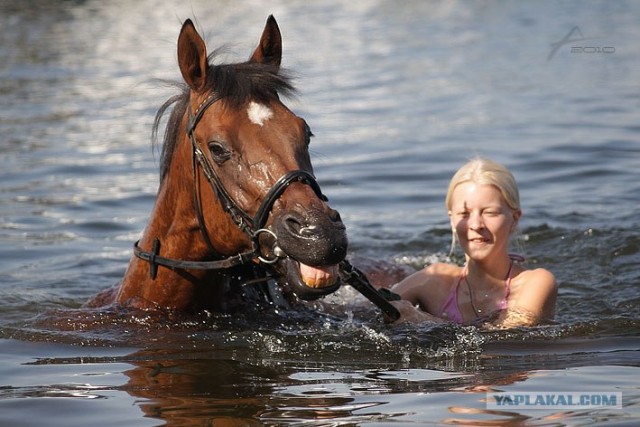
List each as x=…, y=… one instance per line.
x=235, y=84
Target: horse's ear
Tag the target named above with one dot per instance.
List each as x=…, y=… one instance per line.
x=192, y=56
x=269, y=50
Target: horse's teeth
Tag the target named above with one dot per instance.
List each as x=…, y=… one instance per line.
x=318, y=277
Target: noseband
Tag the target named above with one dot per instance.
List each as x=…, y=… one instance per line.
x=251, y=226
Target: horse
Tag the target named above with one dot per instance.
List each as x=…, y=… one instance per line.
x=238, y=201
x=239, y=217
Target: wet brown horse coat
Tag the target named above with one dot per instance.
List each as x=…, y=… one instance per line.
x=251, y=139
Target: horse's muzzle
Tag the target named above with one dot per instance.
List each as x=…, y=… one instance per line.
x=315, y=242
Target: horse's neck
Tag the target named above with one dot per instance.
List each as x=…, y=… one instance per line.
x=174, y=223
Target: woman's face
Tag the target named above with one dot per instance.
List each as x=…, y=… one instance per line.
x=482, y=221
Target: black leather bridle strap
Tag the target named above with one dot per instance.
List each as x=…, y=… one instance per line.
x=278, y=188
x=197, y=204
x=202, y=107
x=154, y=259
x=380, y=297
x=239, y=216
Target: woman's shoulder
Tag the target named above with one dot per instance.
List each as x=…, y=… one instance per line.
x=538, y=278
x=534, y=288
x=434, y=273
x=442, y=269
x=430, y=286
x=430, y=278
x=535, y=292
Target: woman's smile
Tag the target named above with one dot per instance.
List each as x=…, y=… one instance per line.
x=481, y=218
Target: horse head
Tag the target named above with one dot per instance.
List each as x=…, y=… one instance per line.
x=237, y=180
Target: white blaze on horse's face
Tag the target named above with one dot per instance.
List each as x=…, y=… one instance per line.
x=259, y=113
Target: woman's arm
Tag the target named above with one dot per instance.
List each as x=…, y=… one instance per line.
x=409, y=313
x=424, y=292
x=533, y=303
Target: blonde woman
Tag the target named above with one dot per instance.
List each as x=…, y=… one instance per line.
x=492, y=287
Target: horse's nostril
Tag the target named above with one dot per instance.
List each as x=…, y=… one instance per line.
x=308, y=231
x=293, y=224
x=296, y=227
x=335, y=216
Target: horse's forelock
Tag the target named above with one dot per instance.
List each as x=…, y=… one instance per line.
x=239, y=83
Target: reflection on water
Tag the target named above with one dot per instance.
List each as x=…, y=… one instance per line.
x=399, y=95
x=234, y=387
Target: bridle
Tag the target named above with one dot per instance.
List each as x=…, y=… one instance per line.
x=251, y=226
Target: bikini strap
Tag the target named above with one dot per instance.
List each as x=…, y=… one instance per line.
x=453, y=293
x=516, y=257
x=507, y=284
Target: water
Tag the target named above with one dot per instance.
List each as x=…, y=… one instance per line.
x=398, y=94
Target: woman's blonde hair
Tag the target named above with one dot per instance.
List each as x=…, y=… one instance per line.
x=486, y=172
x=483, y=171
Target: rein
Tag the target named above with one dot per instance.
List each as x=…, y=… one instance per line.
x=251, y=226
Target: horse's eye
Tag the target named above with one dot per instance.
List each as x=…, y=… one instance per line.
x=307, y=132
x=219, y=152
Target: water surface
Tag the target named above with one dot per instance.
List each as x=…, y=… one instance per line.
x=399, y=95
